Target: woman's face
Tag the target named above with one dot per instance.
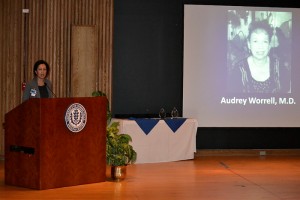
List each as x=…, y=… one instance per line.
x=41, y=71
x=259, y=44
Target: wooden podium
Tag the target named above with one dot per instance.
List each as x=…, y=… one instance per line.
x=41, y=152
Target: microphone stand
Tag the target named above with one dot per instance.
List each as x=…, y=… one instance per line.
x=53, y=94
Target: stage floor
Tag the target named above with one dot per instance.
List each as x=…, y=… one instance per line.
x=205, y=177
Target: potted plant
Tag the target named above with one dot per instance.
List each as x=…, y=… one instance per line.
x=119, y=153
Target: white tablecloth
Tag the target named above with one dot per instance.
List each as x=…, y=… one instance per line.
x=161, y=144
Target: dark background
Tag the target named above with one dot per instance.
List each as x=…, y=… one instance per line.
x=148, y=71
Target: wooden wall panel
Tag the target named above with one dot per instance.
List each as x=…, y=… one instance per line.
x=45, y=33
x=83, y=56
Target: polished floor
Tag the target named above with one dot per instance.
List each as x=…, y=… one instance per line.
x=206, y=177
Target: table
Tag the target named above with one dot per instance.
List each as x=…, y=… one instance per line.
x=161, y=144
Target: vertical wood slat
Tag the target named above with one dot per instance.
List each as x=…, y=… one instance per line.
x=49, y=37
x=105, y=45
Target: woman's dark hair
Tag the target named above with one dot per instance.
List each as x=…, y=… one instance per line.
x=262, y=25
x=39, y=62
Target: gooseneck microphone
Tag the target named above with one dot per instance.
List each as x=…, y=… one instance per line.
x=53, y=94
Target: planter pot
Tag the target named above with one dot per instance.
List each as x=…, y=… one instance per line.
x=118, y=173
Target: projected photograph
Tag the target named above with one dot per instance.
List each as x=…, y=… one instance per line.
x=241, y=66
x=259, y=51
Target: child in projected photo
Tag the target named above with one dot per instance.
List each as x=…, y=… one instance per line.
x=260, y=72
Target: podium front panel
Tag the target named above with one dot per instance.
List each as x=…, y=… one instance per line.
x=42, y=153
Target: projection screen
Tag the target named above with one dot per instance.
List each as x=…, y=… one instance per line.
x=238, y=74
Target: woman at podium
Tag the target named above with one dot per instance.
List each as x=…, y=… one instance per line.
x=39, y=86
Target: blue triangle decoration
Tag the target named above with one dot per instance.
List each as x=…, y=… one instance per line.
x=175, y=123
x=146, y=124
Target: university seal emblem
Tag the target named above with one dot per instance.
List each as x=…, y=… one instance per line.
x=76, y=117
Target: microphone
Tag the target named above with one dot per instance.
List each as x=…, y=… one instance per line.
x=54, y=95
